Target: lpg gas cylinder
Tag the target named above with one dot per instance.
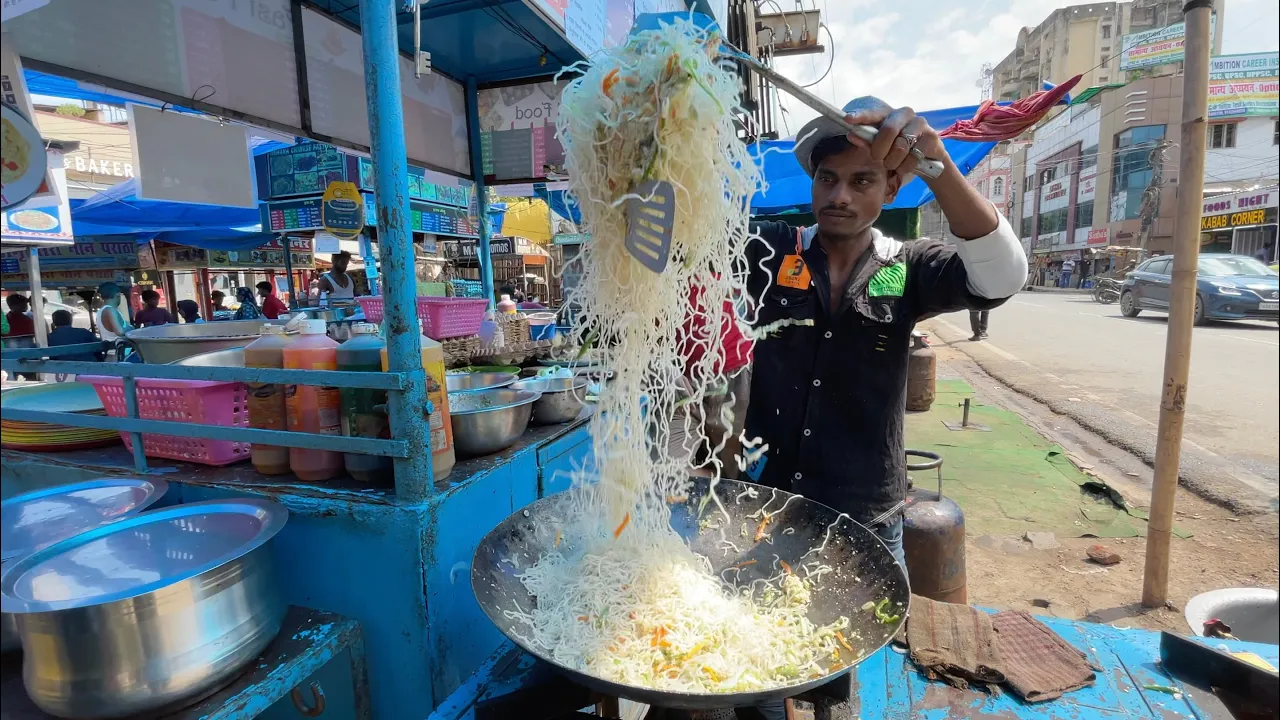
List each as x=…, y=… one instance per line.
x=921, y=373
x=933, y=537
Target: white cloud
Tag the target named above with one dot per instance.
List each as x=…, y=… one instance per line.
x=928, y=54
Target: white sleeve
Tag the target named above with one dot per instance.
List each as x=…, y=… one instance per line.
x=995, y=263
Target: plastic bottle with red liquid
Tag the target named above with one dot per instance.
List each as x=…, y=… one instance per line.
x=313, y=409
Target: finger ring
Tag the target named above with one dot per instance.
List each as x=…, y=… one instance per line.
x=911, y=140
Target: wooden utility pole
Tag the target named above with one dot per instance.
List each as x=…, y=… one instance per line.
x=1182, y=300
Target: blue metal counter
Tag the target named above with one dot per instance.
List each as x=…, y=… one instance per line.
x=887, y=685
x=402, y=570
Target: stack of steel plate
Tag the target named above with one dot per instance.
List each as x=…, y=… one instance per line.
x=49, y=437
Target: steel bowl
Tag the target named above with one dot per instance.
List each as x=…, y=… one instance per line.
x=164, y=344
x=227, y=357
x=39, y=518
x=561, y=401
x=471, y=382
x=145, y=614
x=487, y=421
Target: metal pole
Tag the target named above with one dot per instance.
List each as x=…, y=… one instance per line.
x=409, y=410
x=37, y=305
x=288, y=270
x=1182, y=300
x=482, y=196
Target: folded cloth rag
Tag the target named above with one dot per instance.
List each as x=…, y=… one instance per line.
x=954, y=644
x=1038, y=664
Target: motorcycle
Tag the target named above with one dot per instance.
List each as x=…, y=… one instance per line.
x=1106, y=290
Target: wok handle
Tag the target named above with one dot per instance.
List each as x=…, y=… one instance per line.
x=934, y=463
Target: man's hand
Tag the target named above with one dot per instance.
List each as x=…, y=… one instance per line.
x=899, y=131
x=969, y=214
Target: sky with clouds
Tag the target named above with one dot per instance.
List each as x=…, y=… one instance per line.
x=928, y=54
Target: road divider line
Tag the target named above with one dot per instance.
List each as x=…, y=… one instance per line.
x=1252, y=340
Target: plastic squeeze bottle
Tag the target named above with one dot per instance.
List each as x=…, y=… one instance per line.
x=312, y=408
x=364, y=411
x=266, y=400
x=442, y=455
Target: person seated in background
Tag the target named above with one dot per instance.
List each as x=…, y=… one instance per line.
x=218, y=298
x=272, y=306
x=152, y=314
x=189, y=311
x=248, y=309
x=64, y=333
x=22, y=329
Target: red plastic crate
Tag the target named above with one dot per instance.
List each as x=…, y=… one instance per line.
x=442, y=318
x=194, y=401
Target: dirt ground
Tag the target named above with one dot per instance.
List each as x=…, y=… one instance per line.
x=1005, y=572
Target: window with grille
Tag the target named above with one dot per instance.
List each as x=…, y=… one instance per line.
x=1106, y=31
x=1222, y=135
x=997, y=187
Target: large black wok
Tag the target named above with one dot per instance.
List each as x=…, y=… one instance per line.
x=864, y=571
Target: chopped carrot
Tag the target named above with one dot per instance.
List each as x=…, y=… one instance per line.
x=626, y=520
x=835, y=654
x=631, y=616
x=659, y=637
x=845, y=643
x=610, y=80
x=745, y=563
x=694, y=650
x=584, y=618
x=763, y=524
x=785, y=567
x=715, y=676
x=558, y=537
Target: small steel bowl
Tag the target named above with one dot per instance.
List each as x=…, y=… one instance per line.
x=471, y=382
x=561, y=401
x=486, y=421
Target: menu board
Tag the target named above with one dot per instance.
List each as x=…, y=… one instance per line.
x=518, y=131
x=440, y=220
x=304, y=169
x=292, y=215
x=268, y=255
x=424, y=185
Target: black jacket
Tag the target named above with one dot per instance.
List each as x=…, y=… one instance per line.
x=829, y=397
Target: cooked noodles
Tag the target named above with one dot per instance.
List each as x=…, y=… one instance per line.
x=621, y=595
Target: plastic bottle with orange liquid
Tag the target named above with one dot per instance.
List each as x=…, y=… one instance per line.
x=267, y=400
x=313, y=409
x=442, y=454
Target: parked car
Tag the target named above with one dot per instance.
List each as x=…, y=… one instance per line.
x=1228, y=287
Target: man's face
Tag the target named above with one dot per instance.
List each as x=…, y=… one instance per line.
x=264, y=291
x=849, y=190
x=340, y=263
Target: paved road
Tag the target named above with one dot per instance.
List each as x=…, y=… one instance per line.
x=1089, y=358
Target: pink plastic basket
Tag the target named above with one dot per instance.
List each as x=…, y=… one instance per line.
x=442, y=318
x=194, y=401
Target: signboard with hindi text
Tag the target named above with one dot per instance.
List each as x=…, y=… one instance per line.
x=1161, y=46
x=1244, y=85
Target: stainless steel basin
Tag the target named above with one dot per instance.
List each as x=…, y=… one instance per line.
x=470, y=382
x=486, y=421
x=166, y=343
x=1253, y=614
x=561, y=401
x=226, y=357
x=148, y=613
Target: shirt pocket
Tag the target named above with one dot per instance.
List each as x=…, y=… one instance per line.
x=785, y=304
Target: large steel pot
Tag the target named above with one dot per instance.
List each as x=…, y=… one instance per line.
x=473, y=381
x=35, y=519
x=167, y=343
x=226, y=357
x=486, y=421
x=561, y=401
x=147, y=613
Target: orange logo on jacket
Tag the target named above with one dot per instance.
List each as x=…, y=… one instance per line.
x=793, y=273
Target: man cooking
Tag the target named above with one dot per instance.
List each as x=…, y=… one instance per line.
x=337, y=284
x=828, y=389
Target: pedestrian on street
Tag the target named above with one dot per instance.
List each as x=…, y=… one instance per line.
x=978, y=323
x=65, y=333
x=218, y=298
x=22, y=328
x=189, y=311
x=272, y=306
x=248, y=309
x=152, y=314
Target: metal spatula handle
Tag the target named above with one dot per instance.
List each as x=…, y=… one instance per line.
x=924, y=166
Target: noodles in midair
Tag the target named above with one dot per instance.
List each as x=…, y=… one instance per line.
x=623, y=597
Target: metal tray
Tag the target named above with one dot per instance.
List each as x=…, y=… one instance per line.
x=39, y=518
x=138, y=555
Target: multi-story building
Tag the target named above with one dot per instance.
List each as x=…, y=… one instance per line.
x=1083, y=40
x=1105, y=172
x=991, y=177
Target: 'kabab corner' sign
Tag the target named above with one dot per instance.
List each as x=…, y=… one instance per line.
x=342, y=210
